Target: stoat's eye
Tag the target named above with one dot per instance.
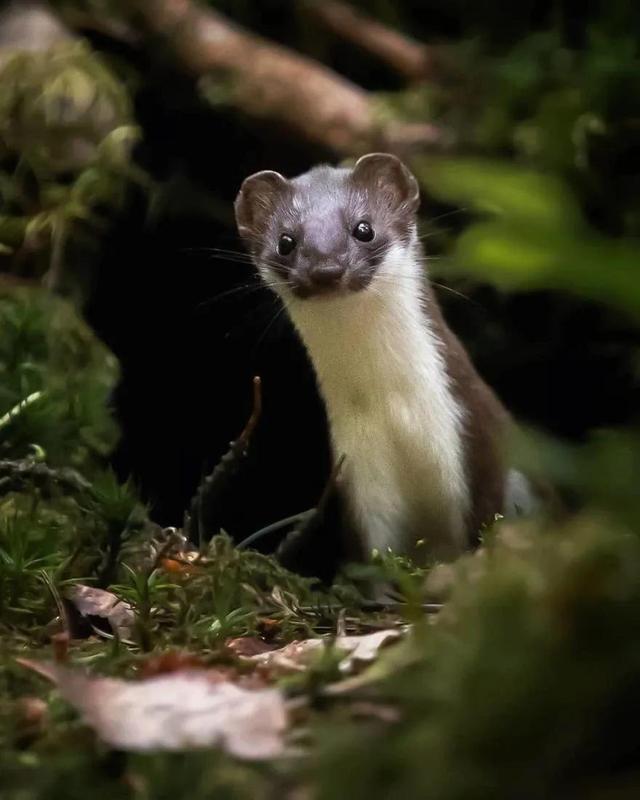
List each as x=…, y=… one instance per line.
x=363, y=231
x=286, y=244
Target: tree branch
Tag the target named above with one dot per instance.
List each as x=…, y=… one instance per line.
x=269, y=81
x=409, y=58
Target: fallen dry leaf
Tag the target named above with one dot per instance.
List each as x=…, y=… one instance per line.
x=248, y=646
x=168, y=662
x=268, y=627
x=31, y=713
x=93, y=602
x=181, y=565
x=181, y=661
x=293, y=657
x=365, y=649
x=296, y=656
x=173, y=712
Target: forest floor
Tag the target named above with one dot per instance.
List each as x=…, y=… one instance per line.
x=211, y=672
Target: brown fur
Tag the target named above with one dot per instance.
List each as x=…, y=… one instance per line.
x=486, y=425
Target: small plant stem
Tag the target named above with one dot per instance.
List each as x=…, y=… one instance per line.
x=274, y=526
x=19, y=408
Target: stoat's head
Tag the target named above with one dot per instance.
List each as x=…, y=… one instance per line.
x=328, y=231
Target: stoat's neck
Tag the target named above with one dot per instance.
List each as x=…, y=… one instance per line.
x=378, y=344
x=382, y=372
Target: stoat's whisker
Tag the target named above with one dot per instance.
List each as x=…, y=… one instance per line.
x=399, y=280
x=452, y=213
x=455, y=292
x=284, y=306
x=244, y=289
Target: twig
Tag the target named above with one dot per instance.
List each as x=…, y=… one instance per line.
x=203, y=517
x=115, y=538
x=384, y=605
x=162, y=553
x=409, y=58
x=55, y=594
x=256, y=411
x=16, y=474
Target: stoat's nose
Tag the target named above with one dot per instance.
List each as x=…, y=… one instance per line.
x=320, y=276
x=325, y=275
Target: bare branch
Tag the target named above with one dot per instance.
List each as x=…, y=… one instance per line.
x=269, y=81
x=409, y=58
x=247, y=433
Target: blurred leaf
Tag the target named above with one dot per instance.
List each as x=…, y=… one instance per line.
x=603, y=473
x=518, y=195
x=538, y=239
x=178, y=711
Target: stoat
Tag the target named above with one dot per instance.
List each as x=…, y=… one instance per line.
x=420, y=431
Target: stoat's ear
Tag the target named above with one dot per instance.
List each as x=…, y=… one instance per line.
x=387, y=177
x=256, y=201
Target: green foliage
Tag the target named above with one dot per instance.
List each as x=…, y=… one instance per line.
x=29, y=545
x=66, y=774
x=55, y=382
x=227, y=593
x=46, y=350
x=603, y=473
x=524, y=685
x=38, y=540
x=59, y=107
x=558, y=108
x=531, y=234
x=66, y=137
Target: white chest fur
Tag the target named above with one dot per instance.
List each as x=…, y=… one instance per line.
x=391, y=412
